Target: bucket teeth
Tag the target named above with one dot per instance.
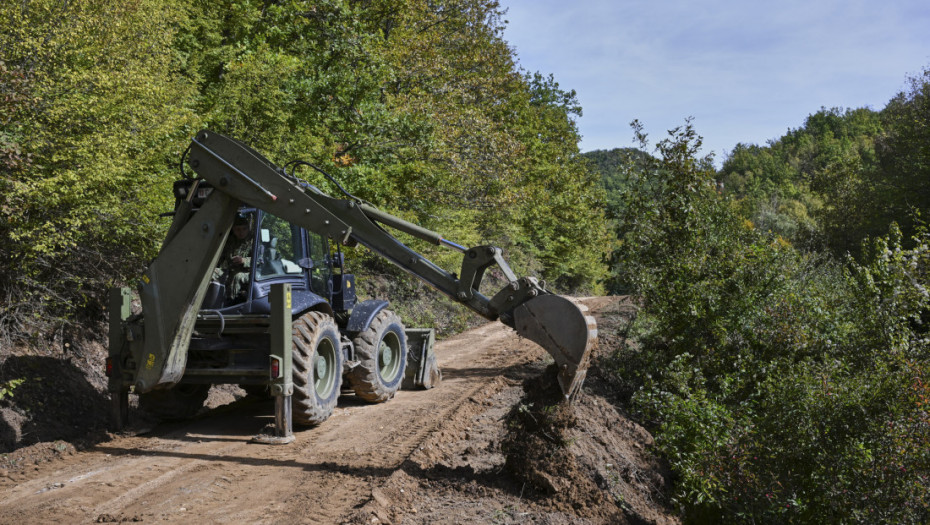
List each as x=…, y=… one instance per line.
x=560, y=326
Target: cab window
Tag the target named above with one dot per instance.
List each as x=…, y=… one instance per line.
x=278, y=250
x=320, y=274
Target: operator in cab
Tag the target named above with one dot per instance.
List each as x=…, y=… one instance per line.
x=236, y=260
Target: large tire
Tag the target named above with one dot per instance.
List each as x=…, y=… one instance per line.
x=382, y=354
x=179, y=402
x=317, y=372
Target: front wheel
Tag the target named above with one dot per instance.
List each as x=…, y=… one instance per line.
x=382, y=354
x=317, y=360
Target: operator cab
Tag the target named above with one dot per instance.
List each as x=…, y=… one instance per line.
x=268, y=250
x=278, y=252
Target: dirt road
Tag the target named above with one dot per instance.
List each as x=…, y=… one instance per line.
x=207, y=471
x=438, y=456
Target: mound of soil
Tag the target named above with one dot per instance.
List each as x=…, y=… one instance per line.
x=539, y=452
x=584, y=457
x=60, y=395
x=14, y=465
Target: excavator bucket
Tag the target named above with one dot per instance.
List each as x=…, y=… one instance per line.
x=560, y=326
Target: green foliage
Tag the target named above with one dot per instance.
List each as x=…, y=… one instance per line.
x=99, y=113
x=616, y=168
x=842, y=177
x=565, y=211
x=782, y=386
x=902, y=183
x=15, y=99
x=418, y=107
x=811, y=185
x=7, y=387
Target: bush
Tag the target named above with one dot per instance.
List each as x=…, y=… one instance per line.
x=781, y=386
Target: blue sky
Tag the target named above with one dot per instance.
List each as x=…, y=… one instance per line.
x=746, y=71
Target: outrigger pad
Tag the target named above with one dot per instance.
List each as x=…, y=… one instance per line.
x=560, y=326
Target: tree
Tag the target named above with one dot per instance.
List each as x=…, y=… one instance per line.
x=780, y=385
x=101, y=125
x=813, y=186
x=903, y=182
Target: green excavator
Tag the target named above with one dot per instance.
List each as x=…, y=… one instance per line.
x=243, y=228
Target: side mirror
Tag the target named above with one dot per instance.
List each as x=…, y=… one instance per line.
x=338, y=259
x=306, y=263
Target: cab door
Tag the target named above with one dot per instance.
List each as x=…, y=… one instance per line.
x=321, y=271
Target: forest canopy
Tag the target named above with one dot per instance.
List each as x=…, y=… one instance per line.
x=419, y=107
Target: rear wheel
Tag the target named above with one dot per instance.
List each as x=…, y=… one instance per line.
x=317, y=360
x=382, y=354
x=179, y=402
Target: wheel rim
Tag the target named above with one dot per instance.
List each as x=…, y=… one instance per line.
x=389, y=357
x=324, y=368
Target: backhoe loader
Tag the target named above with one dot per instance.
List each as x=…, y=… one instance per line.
x=243, y=229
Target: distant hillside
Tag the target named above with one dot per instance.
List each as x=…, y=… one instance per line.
x=843, y=176
x=614, y=168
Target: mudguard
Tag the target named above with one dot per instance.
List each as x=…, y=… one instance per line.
x=363, y=314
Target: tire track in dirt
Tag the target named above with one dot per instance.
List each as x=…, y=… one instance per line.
x=206, y=471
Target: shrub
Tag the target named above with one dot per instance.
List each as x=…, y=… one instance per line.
x=781, y=386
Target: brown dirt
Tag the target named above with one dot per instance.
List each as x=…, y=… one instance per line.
x=62, y=395
x=489, y=445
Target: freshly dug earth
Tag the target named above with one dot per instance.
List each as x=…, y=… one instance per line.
x=491, y=444
x=521, y=455
x=61, y=396
x=585, y=458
